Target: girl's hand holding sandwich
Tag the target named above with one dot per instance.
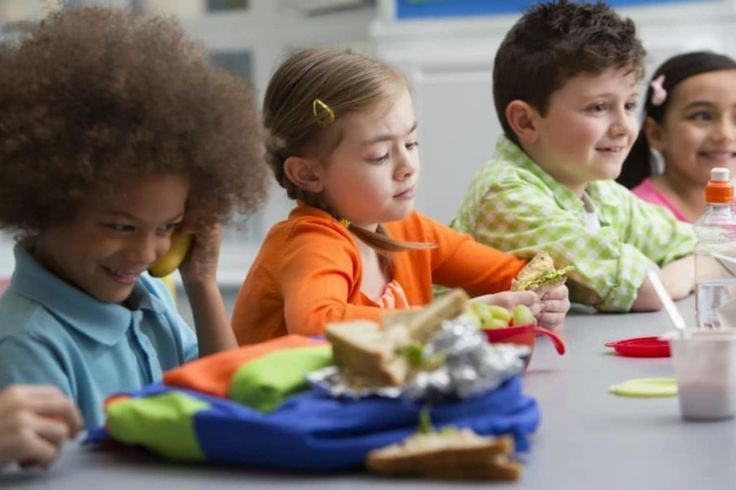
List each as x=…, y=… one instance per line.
x=555, y=304
x=541, y=287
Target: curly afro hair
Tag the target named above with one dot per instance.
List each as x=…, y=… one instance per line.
x=95, y=97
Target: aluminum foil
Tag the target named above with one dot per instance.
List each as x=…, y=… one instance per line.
x=330, y=380
x=471, y=366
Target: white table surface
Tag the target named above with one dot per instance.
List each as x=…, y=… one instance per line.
x=588, y=438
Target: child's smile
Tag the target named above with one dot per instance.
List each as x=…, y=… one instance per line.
x=699, y=128
x=588, y=128
x=114, y=239
x=717, y=157
x=123, y=277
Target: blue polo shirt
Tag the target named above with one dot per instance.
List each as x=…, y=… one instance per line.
x=53, y=333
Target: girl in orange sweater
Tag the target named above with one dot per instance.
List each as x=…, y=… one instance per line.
x=343, y=143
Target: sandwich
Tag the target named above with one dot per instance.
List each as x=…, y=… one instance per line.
x=369, y=355
x=423, y=323
x=458, y=454
x=540, y=275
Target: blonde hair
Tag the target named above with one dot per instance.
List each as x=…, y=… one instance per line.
x=343, y=82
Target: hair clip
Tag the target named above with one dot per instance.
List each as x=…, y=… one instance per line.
x=322, y=113
x=345, y=222
x=659, y=94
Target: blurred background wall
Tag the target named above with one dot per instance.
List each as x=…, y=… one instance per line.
x=446, y=47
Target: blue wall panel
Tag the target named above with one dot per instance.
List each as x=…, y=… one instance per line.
x=419, y=9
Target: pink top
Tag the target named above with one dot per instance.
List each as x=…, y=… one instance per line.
x=647, y=192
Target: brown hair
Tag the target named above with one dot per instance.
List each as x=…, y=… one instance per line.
x=555, y=41
x=94, y=98
x=638, y=164
x=344, y=82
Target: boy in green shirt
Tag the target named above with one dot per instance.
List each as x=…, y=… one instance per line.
x=566, y=85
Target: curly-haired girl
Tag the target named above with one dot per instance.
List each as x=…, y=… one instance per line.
x=115, y=132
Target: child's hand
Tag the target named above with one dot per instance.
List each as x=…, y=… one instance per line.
x=34, y=423
x=509, y=299
x=199, y=273
x=555, y=305
x=200, y=267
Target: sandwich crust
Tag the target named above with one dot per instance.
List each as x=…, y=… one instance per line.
x=456, y=455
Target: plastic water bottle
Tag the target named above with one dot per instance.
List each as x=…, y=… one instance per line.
x=715, y=254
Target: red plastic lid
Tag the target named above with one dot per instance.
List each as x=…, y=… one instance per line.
x=641, y=347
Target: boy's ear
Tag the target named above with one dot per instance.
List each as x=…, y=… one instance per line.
x=522, y=118
x=654, y=134
x=304, y=173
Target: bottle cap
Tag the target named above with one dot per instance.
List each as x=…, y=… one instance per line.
x=719, y=189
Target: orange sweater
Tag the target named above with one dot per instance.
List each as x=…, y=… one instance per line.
x=308, y=273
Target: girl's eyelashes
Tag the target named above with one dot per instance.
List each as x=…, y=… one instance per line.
x=379, y=159
x=119, y=227
x=169, y=227
x=126, y=228
x=386, y=156
x=700, y=116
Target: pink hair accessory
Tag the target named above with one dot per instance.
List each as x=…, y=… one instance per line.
x=659, y=94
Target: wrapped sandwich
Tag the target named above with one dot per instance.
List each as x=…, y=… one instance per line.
x=371, y=355
x=540, y=275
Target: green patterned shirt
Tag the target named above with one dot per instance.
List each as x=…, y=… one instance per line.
x=514, y=205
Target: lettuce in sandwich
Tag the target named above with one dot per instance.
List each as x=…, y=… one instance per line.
x=540, y=275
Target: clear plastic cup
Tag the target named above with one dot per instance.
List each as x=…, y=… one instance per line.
x=705, y=369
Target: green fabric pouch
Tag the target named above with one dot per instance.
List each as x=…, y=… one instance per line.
x=264, y=383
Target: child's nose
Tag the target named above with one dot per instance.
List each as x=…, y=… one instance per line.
x=622, y=125
x=726, y=129
x=146, y=249
x=407, y=166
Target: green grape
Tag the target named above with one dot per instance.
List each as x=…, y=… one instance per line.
x=494, y=323
x=480, y=312
x=500, y=313
x=522, y=315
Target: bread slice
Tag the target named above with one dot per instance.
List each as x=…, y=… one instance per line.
x=540, y=264
x=423, y=323
x=366, y=355
x=540, y=275
x=459, y=454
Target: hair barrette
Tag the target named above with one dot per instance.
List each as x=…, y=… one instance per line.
x=322, y=113
x=345, y=222
x=659, y=94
